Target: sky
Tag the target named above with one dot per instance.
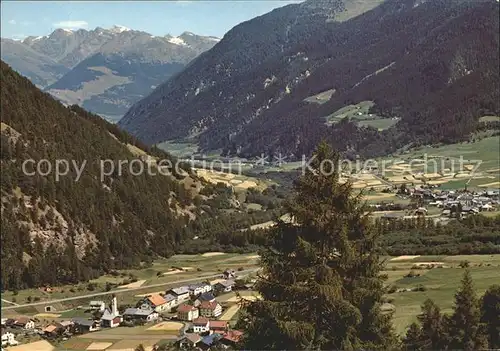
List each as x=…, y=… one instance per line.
x=20, y=19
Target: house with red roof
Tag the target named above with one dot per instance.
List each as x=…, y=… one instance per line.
x=156, y=302
x=232, y=338
x=218, y=326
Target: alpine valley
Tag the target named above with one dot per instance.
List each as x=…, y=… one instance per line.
x=198, y=184
x=103, y=70
x=415, y=72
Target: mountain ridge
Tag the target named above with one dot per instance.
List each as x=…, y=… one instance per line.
x=136, y=62
x=262, y=105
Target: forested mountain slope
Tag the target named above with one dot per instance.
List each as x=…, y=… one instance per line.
x=66, y=230
x=430, y=65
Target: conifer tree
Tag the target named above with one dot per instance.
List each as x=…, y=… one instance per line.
x=490, y=315
x=464, y=329
x=432, y=333
x=321, y=282
x=412, y=340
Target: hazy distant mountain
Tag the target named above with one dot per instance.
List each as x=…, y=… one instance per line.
x=104, y=70
x=430, y=66
x=40, y=69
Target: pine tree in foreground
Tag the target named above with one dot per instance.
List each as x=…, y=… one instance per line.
x=433, y=335
x=412, y=340
x=321, y=283
x=490, y=315
x=430, y=333
x=464, y=324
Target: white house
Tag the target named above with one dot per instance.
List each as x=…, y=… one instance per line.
x=210, y=309
x=8, y=339
x=487, y=207
x=171, y=301
x=187, y=312
x=188, y=342
x=228, y=274
x=200, y=288
x=181, y=294
x=201, y=325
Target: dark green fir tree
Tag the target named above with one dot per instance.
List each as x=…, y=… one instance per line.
x=490, y=315
x=432, y=334
x=321, y=282
x=412, y=340
x=464, y=324
x=429, y=334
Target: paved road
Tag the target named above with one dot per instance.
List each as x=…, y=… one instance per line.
x=12, y=303
x=119, y=291
x=386, y=182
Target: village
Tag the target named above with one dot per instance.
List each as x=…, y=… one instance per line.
x=189, y=315
x=441, y=205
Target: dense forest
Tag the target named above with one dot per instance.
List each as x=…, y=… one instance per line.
x=472, y=235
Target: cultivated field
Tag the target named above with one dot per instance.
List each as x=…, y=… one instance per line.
x=41, y=345
x=118, y=339
x=167, y=327
x=230, y=313
x=489, y=119
x=449, y=166
x=238, y=182
x=359, y=113
x=440, y=283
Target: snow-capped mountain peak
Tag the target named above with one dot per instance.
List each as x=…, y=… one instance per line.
x=119, y=29
x=177, y=41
